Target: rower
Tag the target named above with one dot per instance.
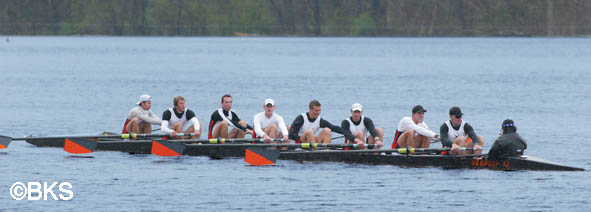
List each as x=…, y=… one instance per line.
x=453, y=134
x=173, y=124
x=508, y=144
x=358, y=127
x=140, y=118
x=268, y=122
x=310, y=127
x=413, y=131
x=225, y=123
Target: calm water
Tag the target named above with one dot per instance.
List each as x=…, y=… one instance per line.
x=84, y=85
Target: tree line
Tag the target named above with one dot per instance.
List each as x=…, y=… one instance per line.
x=297, y=17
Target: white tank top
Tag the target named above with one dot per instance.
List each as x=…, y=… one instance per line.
x=359, y=127
x=174, y=119
x=452, y=133
x=315, y=126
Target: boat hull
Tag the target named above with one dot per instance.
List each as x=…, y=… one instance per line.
x=225, y=151
x=444, y=161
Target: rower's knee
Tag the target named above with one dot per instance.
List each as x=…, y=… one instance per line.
x=480, y=140
x=178, y=125
x=460, y=140
x=409, y=132
x=326, y=130
x=135, y=120
x=272, y=127
x=242, y=123
x=380, y=131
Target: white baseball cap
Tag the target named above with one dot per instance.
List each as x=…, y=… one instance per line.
x=144, y=98
x=356, y=107
x=269, y=101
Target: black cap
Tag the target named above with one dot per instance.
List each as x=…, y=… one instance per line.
x=418, y=108
x=455, y=111
x=508, y=123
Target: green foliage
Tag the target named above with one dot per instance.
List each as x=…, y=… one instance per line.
x=296, y=17
x=363, y=25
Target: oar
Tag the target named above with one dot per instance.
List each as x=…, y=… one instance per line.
x=255, y=157
x=310, y=146
x=81, y=145
x=169, y=148
x=342, y=136
x=4, y=141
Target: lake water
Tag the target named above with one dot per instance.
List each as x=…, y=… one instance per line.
x=85, y=85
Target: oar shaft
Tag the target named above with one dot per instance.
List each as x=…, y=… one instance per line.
x=300, y=145
x=122, y=136
x=227, y=140
x=405, y=150
x=200, y=141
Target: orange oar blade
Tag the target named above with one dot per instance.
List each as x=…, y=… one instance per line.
x=79, y=145
x=167, y=148
x=4, y=141
x=260, y=157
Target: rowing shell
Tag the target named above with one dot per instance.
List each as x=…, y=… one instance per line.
x=352, y=156
x=444, y=161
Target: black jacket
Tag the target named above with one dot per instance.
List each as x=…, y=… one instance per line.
x=506, y=145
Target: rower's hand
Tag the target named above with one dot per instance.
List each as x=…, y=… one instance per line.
x=379, y=143
x=437, y=137
x=477, y=147
x=360, y=143
x=173, y=133
x=248, y=131
x=455, y=148
x=267, y=138
x=286, y=139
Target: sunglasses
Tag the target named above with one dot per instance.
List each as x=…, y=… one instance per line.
x=458, y=116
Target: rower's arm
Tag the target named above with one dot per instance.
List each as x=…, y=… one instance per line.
x=420, y=129
x=153, y=119
x=470, y=131
x=370, y=127
x=193, y=119
x=346, y=131
x=258, y=129
x=166, y=115
x=235, y=121
x=325, y=123
x=443, y=133
x=523, y=141
x=493, y=152
x=298, y=122
x=282, y=126
x=149, y=118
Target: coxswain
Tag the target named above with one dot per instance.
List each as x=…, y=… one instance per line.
x=508, y=144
